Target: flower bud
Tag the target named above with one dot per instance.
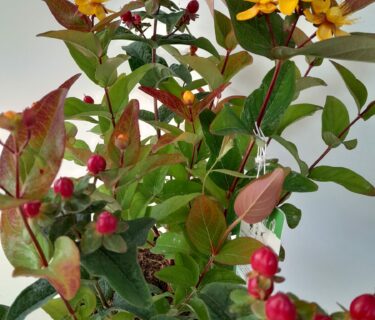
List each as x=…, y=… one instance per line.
x=188, y=98
x=122, y=141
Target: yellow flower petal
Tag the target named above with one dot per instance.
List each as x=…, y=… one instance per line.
x=87, y=9
x=267, y=8
x=324, y=31
x=321, y=6
x=287, y=7
x=100, y=12
x=341, y=33
x=248, y=14
x=313, y=18
x=81, y=2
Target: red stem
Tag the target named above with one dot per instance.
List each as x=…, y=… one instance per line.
x=311, y=65
x=269, y=25
x=156, y=111
x=110, y=107
x=307, y=40
x=292, y=30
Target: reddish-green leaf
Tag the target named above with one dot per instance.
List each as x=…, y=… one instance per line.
x=127, y=125
x=238, y=251
x=205, y=224
x=67, y=14
x=257, y=200
x=42, y=157
x=63, y=272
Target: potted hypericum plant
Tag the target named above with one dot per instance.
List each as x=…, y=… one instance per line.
x=184, y=223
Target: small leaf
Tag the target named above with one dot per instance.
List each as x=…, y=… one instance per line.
x=356, y=88
x=221, y=274
x=235, y=63
x=257, y=200
x=205, y=224
x=335, y=119
x=177, y=275
x=238, y=251
x=224, y=31
x=91, y=240
x=344, y=177
x=292, y=214
x=295, y=182
x=63, y=272
x=369, y=112
x=115, y=243
x=106, y=73
x=30, y=299
x=171, y=243
x=200, y=309
x=350, y=144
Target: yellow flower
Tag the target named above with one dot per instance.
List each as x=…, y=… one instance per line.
x=263, y=6
x=92, y=7
x=328, y=19
x=288, y=7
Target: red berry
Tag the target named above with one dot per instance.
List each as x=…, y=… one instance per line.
x=255, y=291
x=96, y=164
x=106, y=223
x=193, y=6
x=322, y=317
x=363, y=307
x=280, y=307
x=265, y=261
x=127, y=17
x=31, y=209
x=137, y=19
x=64, y=186
x=88, y=99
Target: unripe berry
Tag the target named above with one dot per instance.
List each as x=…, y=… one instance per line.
x=137, y=19
x=122, y=141
x=64, y=186
x=106, y=223
x=188, y=98
x=322, y=317
x=88, y=99
x=31, y=209
x=257, y=292
x=96, y=164
x=193, y=6
x=127, y=17
x=363, y=307
x=265, y=261
x=280, y=307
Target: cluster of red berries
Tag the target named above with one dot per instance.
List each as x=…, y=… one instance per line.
x=131, y=19
x=190, y=12
x=106, y=223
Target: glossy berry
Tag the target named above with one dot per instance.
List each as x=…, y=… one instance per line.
x=322, y=317
x=106, y=223
x=188, y=98
x=127, y=17
x=31, y=209
x=280, y=307
x=96, y=164
x=193, y=6
x=88, y=99
x=64, y=186
x=363, y=307
x=265, y=261
x=137, y=19
x=257, y=292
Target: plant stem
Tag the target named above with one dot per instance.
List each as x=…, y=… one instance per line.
x=311, y=65
x=225, y=61
x=269, y=25
x=307, y=40
x=292, y=30
x=5, y=146
x=110, y=107
x=69, y=307
x=153, y=57
x=205, y=270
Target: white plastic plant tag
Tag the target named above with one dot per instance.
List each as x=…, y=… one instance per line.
x=268, y=232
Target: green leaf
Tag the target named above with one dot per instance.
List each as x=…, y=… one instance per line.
x=171, y=243
x=3, y=311
x=170, y=19
x=253, y=35
x=63, y=272
x=217, y=298
x=295, y=182
x=227, y=122
x=106, y=73
x=87, y=42
x=7, y=202
x=167, y=207
x=292, y=214
x=205, y=224
x=344, y=177
x=224, y=32
x=177, y=275
x=353, y=47
x=356, y=88
x=304, y=83
x=335, y=119
x=115, y=243
x=291, y=147
x=61, y=226
x=238, y=251
x=279, y=101
x=235, y=63
x=200, y=309
x=221, y=274
x=76, y=109
x=122, y=270
x=30, y=299
x=296, y=112
x=350, y=144
x=369, y=112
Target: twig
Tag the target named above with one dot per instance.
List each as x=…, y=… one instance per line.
x=269, y=25
x=307, y=40
x=110, y=107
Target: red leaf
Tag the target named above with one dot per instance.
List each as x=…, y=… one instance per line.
x=257, y=200
x=206, y=101
x=67, y=14
x=169, y=100
x=42, y=157
x=129, y=126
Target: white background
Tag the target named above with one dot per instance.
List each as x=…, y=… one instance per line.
x=330, y=256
